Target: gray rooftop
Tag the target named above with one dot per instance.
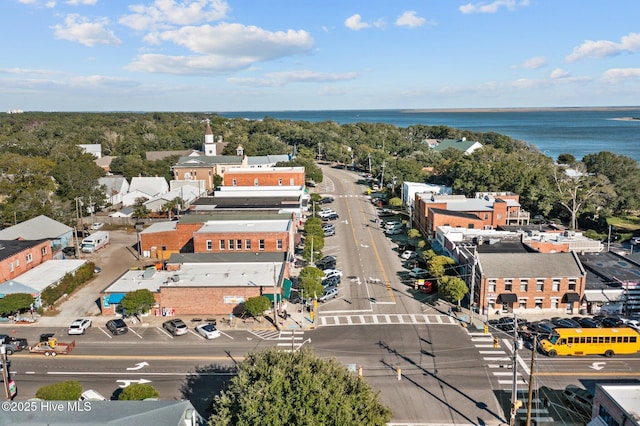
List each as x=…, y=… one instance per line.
x=530, y=265
x=38, y=228
x=226, y=215
x=9, y=248
x=42, y=276
x=207, y=160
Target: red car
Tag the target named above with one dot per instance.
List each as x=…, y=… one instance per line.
x=424, y=286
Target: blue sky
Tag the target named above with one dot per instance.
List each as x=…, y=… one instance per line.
x=267, y=55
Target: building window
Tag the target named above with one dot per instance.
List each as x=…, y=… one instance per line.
x=255, y=182
x=234, y=182
x=261, y=244
x=209, y=245
x=11, y=267
x=279, y=244
x=164, y=248
x=470, y=226
x=492, y=286
x=29, y=258
x=238, y=244
x=221, y=245
x=555, y=286
x=572, y=284
x=230, y=244
x=491, y=304
x=508, y=285
x=555, y=303
x=539, y=302
x=486, y=216
x=539, y=285
x=523, y=303
x=247, y=244
x=43, y=251
x=292, y=182
x=524, y=285
x=279, y=182
x=606, y=417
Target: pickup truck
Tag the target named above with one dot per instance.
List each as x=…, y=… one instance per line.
x=13, y=344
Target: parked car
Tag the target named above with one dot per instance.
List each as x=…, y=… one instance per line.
x=327, y=262
x=589, y=323
x=612, y=322
x=393, y=231
x=79, y=326
x=333, y=281
x=408, y=254
x=565, y=322
x=329, y=293
x=175, y=326
x=386, y=213
x=634, y=241
x=326, y=226
x=392, y=224
x=208, y=331
x=329, y=232
x=330, y=216
x=69, y=251
x=97, y=226
x=117, y=326
x=326, y=200
x=332, y=273
x=418, y=273
x=295, y=298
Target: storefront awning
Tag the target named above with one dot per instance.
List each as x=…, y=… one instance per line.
x=507, y=298
x=116, y=298
x=603, y=296
x=570, y=297
x=286, y=286
x=270, y=296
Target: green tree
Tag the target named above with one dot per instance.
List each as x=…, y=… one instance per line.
x=296, y=388
x=413, y=236
x=139, y=301
x=138, y=392
x=452, y=289
x=395, y=202
x=17, y=302
x=311, y=281
x=437, y=265
x=257, y=305
x=62, y=391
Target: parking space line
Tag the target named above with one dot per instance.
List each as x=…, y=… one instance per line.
x=107, y=334
x=163, y=331
x=134, y=332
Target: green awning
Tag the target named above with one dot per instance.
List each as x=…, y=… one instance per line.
x=270, y=296
x=286, y=285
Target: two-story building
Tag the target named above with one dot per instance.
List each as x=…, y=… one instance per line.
x=488, y=210
x=39, y=228
x=267, y=176
x=20, y=256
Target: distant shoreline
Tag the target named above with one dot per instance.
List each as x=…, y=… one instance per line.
x=525, y=109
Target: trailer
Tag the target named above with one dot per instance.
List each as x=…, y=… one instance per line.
x=51, y=347
x=95, y=241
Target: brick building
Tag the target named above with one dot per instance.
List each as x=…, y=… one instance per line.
x=203, y=283
x=488, y=210
x=272, y=176
x=18, y=257
x=237, y=232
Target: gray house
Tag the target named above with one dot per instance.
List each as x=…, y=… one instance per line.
x=41, y=228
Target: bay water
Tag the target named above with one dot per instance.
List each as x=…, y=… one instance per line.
x=553, y=131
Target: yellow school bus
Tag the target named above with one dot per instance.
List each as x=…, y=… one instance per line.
x=591, y=341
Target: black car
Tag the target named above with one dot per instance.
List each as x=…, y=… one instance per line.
x=327, y=262
x=117, y=326
x=333, y=281
x=69, y=251
x=589, y=323
x=612, y=322
x=330, y=216
x=295, y=298
x=326, y=200
x=565, y=323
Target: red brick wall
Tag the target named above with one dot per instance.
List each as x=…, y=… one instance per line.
x=19, y=261
x=204, y=300
x=270, y=244
x=435, y=220
x=266, y=177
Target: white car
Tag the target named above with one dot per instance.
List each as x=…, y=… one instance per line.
x=408, y=254
x=418, y=273
x=79, y=326
x=97, y=225
x=393, y=231
x=328, y=273
x=208, y=331
x=329, y=293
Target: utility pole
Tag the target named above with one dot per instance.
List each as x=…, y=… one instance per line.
x=473, y=283
x=515, y=403
x=369, y=163
x=5, y=370
x=609, y=239
x=275, y=300
x=382, y=175
x=530, y=395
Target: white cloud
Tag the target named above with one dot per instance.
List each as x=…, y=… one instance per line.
x=618, y=75
x=81, y=30
x=236, y=40
x=38, y=3
x=189, y=65
x=354, y=22
x=277, y=79
x=27, y=71
x=559, y=73
x=169, y=13
x=409, y=19
x=492, y=7
x=532, y=63
x=81, y=2
x=604, y=48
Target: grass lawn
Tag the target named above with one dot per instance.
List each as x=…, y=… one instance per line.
x=626, y=226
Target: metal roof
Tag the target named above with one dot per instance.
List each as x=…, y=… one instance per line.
x=39, y=228
x=530, y=265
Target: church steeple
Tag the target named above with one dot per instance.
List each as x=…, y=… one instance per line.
x=209, y=146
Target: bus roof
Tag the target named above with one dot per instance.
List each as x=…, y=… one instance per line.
x=594, y=331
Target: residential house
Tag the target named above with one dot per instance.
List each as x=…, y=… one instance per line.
x=204, y=283
x=93, y=149
x=205, y=168
x=144, y=188
x=187, y=193
x=20, y=256
x=41, y=228
x=115, y=188
x=463, y=145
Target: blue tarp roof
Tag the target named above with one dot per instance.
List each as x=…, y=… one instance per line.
x=116, y=298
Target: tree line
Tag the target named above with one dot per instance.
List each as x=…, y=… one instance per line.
x=44, y=171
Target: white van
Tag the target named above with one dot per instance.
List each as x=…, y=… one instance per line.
x=92, y=395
